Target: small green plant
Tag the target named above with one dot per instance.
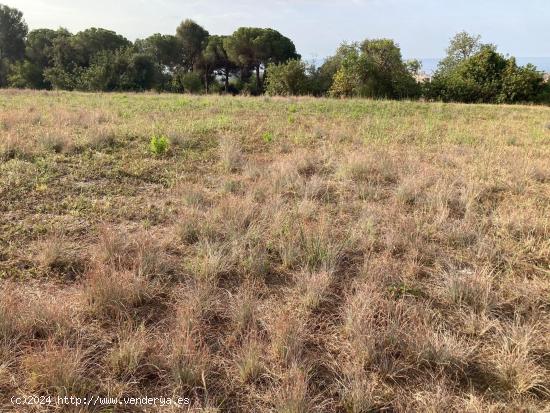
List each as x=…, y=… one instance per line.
x=267, y=137
x=159, y=145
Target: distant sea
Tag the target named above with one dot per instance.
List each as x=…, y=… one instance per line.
x=429, y=65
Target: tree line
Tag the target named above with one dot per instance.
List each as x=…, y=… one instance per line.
x=253, y=61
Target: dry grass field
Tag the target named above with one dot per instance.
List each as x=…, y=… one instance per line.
x=282, y=255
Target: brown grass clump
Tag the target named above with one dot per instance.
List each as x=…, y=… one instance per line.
x=249, y=362
x=129, y=358
x=57, y=255
x=231, y=156
x=59, y=371
x=15, y=146
x=293, y=394
x=358, y=256
x=117, y=295
x=101, y=138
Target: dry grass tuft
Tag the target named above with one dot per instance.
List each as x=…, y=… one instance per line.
x=117, y=295
x=129, y=358
x=57, y=255
x=59, y=370
x=249, y=361
x=231, y=155
x=293, y=395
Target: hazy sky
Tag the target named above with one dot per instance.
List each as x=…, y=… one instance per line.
x=421, y=27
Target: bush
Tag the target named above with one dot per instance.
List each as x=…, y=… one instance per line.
x=120, y=70
x=487, y=77
x=251, y=88
x=191, y=83
x=544, y=95
x=373, y=69
x=287, y=79
x=159, y=145
x=521, y=84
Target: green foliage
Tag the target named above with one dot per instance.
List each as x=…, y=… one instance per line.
x=39, y=57
x=89, y=43
x=192, y=39
x=25, y=74
x=544, y=95
x=164, y=49
x=253, y=48
x=321, y=79
x=159, y=145
x=287, y=79
x=79, y=61
x=521, y=84
x=120, y=70
x=413, y=66
x=462, y=46
x=487, y=77
x=13, y=31
x=373, y=69
x=348, y=77
x=191, y=82
x=4, y=70
x=215, y=59
x=193, y=61
x=268, y=137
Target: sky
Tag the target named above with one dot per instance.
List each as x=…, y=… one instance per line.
x=422, y=27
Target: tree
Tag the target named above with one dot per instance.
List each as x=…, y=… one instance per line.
x=123, y=69
x=387, y=75
x=373, y=69
x=215, y=58
x=521, y=84
x=287, y=79
x=90, y=42
x=243, y=49
x=462, y=46
x=29, y=73
x=254, y=48
x=192, y=39
x=324, y=76
x=414, y=66
x=348, y=77
x=166, y=53
x=73, y=55
x=13, y=30
x=164, y=48
x=487, y=77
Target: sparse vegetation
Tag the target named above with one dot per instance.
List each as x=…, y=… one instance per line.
x=367, y=256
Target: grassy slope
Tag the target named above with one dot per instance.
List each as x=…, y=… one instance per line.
x=285, y=254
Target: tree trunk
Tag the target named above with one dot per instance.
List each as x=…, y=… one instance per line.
x=258, y=80
x=206, y=81
x=226, y=80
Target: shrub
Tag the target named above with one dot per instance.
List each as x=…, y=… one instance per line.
x=373, y=69
x=267, y=137
x=191, y=82
x=286, y=79
x=159, y=144
x=487, y=77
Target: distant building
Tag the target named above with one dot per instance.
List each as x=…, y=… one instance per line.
x=423, y=77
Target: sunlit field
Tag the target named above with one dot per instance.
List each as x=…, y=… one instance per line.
x=274, y=254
